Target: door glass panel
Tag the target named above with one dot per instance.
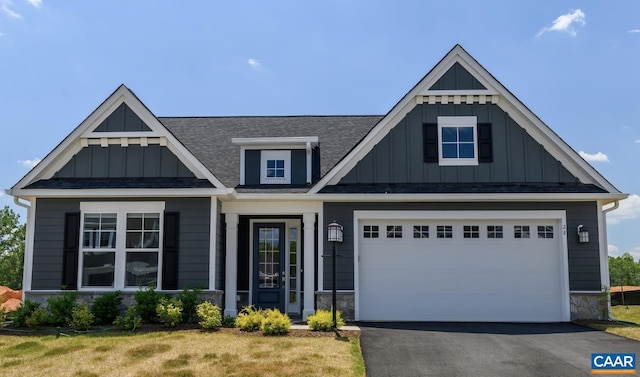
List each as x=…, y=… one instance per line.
x=293, y=265
x=269, y=257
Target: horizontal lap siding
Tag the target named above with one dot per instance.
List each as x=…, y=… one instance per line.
x=584, y=259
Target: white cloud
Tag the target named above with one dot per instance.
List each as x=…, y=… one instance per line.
x=35, y=3
x=634, y=31
x=566, y=23
x=629, y=209
x=5, y=8
x=29, y=163
x=254, y=63
x=598, y=157
x=613, y=250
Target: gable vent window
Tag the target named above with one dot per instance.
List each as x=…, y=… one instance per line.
x=521, y=231
x=494, y=231
x=457, y=141
x=275, y=167
x=545, y=231
x=394, y=231
x=420, y=231
x=471, y=231
x=445, y=231
x=371, y=231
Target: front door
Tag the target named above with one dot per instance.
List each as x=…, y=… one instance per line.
x=269, y=265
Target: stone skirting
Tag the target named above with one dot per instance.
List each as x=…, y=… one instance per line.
x=127, y=296
x=588, y=306
x=345, y=303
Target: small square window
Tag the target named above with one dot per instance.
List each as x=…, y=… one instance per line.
x=494, y=231
x=445, y=231
x=521, y=231
x=471, y=231
x=545, y=231
x=370, y=231
x=458, y=144
x=275, y=167
x=420, y=231
x=394, y=231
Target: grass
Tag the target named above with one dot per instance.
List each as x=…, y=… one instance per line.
x=628, y=325
x=186, y=353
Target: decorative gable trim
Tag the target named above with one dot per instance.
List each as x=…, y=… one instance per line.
x=85, y=135
x=495, y=93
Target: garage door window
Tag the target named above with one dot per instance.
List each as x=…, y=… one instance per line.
x=545, y=231
x=445, y=231
x=394, y=231
x=370, y=231
x=420, y=231
x=471, y=231
x=521, y=231
x=494, y=231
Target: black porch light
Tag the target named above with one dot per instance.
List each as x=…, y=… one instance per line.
x=334, y=235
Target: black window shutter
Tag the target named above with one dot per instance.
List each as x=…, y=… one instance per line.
x=170, y=250
x=430, y=142
x=485, y=147
x=70, y=250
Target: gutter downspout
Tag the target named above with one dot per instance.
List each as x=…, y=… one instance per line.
x=27, y=247
x=615, y=206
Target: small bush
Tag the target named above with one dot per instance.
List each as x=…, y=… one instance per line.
x=169, y=311
x=130, y=320
x=249, y=319
x=36, y=318
x=190, y=300
x=106, y=308
x=3, y=313
x=323, y=320
x=228, y=321
x=210, y=316
x=147, y=301
x=21, y=314
x=60, y=308
x=81, y=317
x=275, y=323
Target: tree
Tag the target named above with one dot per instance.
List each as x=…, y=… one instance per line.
x=12, y=235
x=624, y=270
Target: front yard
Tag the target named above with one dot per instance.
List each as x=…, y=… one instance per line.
x=628, y=325
x=182, y=353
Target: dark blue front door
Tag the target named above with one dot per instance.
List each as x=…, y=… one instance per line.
x=269, y=265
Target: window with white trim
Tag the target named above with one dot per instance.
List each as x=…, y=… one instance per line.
x=275, y=167
x=458, y=139
x=370, y=231
x=394, y=231
x=545, y=231
x=471, y=231
x=121, y=243
x=494, y=231
x=421, y=231
x=444, y=231
x=521, y=231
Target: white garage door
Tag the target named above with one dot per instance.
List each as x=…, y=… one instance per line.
x=461, y=270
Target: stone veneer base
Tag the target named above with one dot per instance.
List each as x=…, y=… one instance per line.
x=345, y=303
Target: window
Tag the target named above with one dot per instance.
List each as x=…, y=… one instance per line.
x=545, y=231
x=370, y=231
x=394, y=231
x=120, y=244
x=420, y=231
x=275, y=167
x=445, y=231
x=471, y=231
x=521, y=231
x=494, y=231
x=458, y=140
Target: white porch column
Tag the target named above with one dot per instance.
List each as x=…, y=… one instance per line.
x=309, y=220
x=231, y=266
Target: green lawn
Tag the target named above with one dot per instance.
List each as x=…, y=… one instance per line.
x=629, y=325
x=182, y=353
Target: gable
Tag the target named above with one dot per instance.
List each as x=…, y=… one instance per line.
x=457, y=78
x=123, y=119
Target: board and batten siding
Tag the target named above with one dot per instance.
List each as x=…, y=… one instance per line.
x=252, y=166
x=193, y=257
x=584, y=259
x=399, y=156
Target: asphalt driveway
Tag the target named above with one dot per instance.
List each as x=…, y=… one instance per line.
x=484, y=349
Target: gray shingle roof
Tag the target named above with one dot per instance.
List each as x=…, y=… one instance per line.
x=209, y=138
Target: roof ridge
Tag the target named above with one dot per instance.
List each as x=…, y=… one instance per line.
x=270, y=116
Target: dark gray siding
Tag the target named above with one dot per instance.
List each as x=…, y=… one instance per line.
x=49, y=241
x=221, y=238
x=193, y=255
x=133, y=161
x=252, y=167
x=584, y=259
x=123, y=119
x=298, y=167
x=457, y=78
x=399, y=157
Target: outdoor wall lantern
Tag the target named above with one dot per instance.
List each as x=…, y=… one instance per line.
x=334, y=235
x=583, y=234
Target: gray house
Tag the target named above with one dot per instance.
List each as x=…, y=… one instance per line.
x=459, y=204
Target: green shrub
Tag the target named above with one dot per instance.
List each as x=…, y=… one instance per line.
x=210, y=316
x=169, y=311
x=81, y=317
x=36, y=318
x=106, y=308
x=323, y=320
x=228, y=321
x=275, y=323
x=3, y=313
x=21, y=314
x=60, y=308
x=130, y=320
x=147, y=301
x=249, y=319
x=190, y=300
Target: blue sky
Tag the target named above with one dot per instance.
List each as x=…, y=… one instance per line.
x=573, y=63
